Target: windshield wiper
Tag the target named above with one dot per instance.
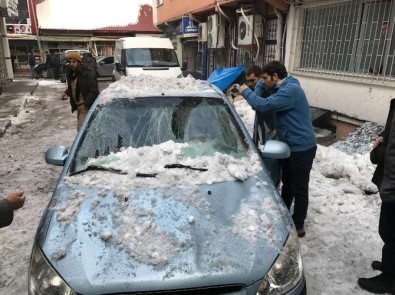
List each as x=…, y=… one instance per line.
x=100, y=168
x=138, y=174
x=171, y=166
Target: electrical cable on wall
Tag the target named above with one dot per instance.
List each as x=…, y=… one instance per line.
x=231, y=23
x=241, y=10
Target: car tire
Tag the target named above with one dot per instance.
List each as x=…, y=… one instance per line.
x=44, y=73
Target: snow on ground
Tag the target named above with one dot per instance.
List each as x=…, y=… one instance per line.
x=341, y=225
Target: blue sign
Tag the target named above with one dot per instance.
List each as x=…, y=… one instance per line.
x=187, y=27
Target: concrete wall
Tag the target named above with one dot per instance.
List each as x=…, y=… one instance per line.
x=175, y=9
x=356, y=100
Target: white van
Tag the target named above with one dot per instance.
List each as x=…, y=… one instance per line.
x=154, y=56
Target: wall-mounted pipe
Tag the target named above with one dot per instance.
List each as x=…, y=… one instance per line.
x=279, y=35
x=233, y=31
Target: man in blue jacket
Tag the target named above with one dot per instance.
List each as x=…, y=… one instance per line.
x=291, y=112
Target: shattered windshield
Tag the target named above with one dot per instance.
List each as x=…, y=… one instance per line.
x=206, y=125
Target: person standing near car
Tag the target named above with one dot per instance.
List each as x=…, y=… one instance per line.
x=89, y=62
x=12, y=202
x=291, y=113
x=82, y=87
x=263, y=125
x=48, y=62
x=32, y=64
x=383, y=154
x=56, y=66
x=253, y=74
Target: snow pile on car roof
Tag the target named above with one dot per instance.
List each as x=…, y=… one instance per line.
x=146, y=85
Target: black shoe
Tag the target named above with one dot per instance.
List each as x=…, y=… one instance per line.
x=383, y=283
x=377, y=265
x=301, y=232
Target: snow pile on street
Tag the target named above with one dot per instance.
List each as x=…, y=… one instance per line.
x=361, y=140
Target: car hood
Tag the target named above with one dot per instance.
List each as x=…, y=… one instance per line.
x=131, y=240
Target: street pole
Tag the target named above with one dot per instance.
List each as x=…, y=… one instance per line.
x=6, y=72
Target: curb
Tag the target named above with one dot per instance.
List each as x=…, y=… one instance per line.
x=15, y=103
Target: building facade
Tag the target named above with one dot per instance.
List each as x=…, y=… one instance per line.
x=55, y=26
x=342, y=51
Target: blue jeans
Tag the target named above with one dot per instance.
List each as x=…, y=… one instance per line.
x=33, y=70
x=295, y=177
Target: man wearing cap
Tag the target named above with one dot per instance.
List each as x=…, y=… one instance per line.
x=82, y=87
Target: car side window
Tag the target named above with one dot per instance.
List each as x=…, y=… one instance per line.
x=264, y=128
x=109, y=60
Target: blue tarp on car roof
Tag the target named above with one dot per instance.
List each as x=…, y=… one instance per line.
x=223, y=77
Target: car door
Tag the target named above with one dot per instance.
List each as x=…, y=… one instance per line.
x=105, y=66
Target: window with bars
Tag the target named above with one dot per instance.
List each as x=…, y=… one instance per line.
x=354, y=37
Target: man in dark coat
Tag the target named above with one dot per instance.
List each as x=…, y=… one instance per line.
x=12, y=202
x=32, y=64
x=384, y=177
x=48, y=62
x=82, y=87
x=89, y=62
x=379, y=147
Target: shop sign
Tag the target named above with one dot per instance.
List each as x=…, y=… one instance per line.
x=9, y=7
x=18, y=28
x=187, y=27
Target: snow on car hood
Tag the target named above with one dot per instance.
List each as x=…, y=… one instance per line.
x=136, y=239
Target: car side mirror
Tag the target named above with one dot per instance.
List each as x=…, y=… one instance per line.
x=119, y=67
x=275, y=149
x=56, y=155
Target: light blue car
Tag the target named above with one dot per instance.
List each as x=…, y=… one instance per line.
x=164, y=192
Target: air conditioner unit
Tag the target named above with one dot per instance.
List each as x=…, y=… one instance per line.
x=215, y=31
x=202, y=32
x=246, y=32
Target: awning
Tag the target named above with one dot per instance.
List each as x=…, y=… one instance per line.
x=62, y=38
x=21, y=37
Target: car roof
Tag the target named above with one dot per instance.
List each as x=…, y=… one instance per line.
x=148, y=86
x=77, y=50
x=100, y=57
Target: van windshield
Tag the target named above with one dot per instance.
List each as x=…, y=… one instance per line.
x=151, y=57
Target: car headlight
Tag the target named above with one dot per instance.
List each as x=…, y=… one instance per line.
x=287, y=270
x=43, y=279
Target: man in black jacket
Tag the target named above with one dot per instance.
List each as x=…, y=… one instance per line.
x=82, y=87
x=384, y=177
x=48, y=62
x=12, y=202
